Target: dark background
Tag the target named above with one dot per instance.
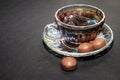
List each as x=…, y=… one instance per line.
x=23, y=55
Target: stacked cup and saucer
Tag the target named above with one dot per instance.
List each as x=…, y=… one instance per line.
x=75, y=24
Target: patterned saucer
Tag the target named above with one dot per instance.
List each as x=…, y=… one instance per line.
x=54, y=40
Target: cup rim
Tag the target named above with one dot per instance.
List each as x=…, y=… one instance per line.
x=80, y=27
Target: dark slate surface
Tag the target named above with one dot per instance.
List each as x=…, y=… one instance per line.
x=23, y=55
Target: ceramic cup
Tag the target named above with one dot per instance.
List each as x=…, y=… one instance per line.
x=74, y=35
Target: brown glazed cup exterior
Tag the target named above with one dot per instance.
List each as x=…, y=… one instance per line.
x=74, y=35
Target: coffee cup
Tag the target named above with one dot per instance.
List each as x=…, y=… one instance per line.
x=79, y=23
